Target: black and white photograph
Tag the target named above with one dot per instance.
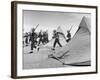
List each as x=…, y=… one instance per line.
x=56, y=39
x=53, y=39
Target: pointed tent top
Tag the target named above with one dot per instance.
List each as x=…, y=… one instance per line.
x=84, y=23
x=59, y=29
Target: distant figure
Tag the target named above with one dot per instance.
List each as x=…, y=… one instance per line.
x=33, y=37
x=47, y=40
x=56, y=37
x=40, y=36
x=29, y=37
x=26, y=38
x=45, y=37
x=68, y=36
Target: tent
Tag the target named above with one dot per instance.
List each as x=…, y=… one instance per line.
x=79, y=46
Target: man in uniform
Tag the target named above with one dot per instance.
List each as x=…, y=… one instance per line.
x=40, y=37
x=26, y=38
x=33, y=40
x=68, y=36
x=56, y=37
x=45, y=37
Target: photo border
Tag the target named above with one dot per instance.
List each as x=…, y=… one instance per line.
x=14, y=37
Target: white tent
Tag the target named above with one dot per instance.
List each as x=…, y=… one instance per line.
x=79, y=46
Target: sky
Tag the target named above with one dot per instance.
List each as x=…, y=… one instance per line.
x=50, y=20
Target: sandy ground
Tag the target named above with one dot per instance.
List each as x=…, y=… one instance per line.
x=42, y=60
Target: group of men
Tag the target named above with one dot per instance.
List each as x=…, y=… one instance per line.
x=42, y=37
x=35, y=39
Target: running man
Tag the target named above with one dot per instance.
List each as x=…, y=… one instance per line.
x=56, y=37
x=33, y=40
x=40, y=36
x=26, y=38
x=68, y=36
